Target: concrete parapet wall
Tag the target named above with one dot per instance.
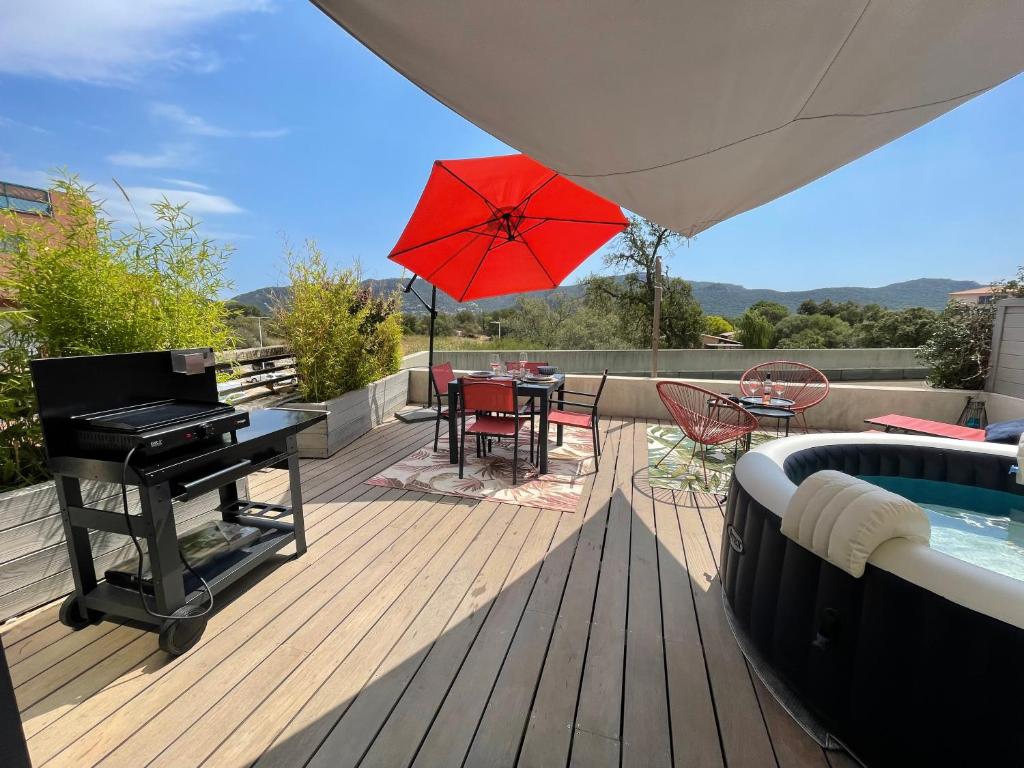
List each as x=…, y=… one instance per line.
x=845, y=408
x=837, y=364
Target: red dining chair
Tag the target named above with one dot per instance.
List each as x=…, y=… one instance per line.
x=805, y=385
x=705, y=417
x=581, y=419
x=440, y=376
x=496, y=404
x=530, y=405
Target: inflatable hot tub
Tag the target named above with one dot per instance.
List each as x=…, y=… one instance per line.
x=920, y=659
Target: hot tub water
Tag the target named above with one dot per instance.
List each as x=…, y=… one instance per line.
x=977, y=525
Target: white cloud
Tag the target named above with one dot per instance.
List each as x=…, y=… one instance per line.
x=186, y=184
x=197, y=126
x=111, y=41
x=10, y=171
x=168, y=156
x=142, y=199
x=10, y=122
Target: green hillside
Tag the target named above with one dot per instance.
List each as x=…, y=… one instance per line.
x=716, y=298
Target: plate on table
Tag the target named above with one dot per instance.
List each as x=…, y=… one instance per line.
x=481, y=374
x=538, y=379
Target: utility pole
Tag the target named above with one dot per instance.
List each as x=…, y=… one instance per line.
x=497, y=323
x=656, y=325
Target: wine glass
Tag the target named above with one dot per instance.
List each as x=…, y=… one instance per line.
x=522, y=363
x=495, y=363
x=780, y=390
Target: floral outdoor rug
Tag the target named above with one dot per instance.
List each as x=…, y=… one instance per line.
x=490, y=477
x=682, y=472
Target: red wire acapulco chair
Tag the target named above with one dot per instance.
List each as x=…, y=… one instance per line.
x=585, y=420
x=486, y=398
x=707, y=418
x=440, y=376
x=804, y=385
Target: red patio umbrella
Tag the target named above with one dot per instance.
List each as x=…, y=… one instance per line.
x=491, y=226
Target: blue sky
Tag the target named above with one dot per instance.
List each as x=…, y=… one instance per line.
x=271, y=121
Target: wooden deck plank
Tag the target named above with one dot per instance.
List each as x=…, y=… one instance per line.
x=744, y=735
x=356, y=606
x=430, y=650
x=447, y=738
x=432, y=630
x=646, y=733
x=502, y=726
x=355, y=672
x=365, y=531
x=600, y=705
x=265, y=619
x=352, y=647
x=549, y=732
x=694, y=729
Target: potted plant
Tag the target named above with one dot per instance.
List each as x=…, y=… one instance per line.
x=347, y=347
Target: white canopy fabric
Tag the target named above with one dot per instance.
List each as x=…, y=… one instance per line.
x=692, y=111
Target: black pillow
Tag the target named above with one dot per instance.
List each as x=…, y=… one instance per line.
x=1005, y=431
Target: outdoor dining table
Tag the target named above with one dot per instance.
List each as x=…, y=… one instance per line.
x=541, y=390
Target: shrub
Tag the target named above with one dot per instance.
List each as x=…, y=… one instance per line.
x=82, y=288
x=343, y=337
x=755, y=331
x=959, y=348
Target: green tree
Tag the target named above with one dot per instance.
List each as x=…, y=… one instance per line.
x=904, y=328
x=812, y=332
x=716, y=325
x=771, y=311
x=755, y=331
x=639, y=249
x=808, y=307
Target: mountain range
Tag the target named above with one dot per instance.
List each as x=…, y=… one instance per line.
x=725, y=299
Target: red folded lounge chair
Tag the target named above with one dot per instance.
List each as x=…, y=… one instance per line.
x=909, y=425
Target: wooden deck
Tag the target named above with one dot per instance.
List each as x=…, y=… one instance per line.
x=432, y=631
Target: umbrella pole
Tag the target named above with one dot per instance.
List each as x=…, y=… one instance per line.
x=433, y=317
x=423, y=414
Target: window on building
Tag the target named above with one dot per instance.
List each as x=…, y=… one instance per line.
x=25, y=199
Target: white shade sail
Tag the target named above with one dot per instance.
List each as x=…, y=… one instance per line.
x=692, y=111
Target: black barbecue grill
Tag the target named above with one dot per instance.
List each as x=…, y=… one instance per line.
x=152, y=420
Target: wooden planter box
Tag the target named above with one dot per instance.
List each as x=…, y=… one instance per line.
x=34, y=567
x=352, y=415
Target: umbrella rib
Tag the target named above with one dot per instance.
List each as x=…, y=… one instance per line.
x=539, y=262
x=526, y=200
x=468, y=186
x=573, y=221
x=464, y=230
x=444, y=263
x=469, y=283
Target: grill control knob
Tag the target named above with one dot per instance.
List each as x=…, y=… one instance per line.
x=206, y=430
